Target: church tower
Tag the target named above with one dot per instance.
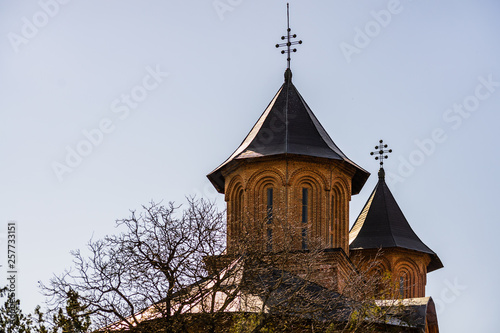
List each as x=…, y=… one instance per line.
x=381, y=230
x=289, y=184
x=289, y=170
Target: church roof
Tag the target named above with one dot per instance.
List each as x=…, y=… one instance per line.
x=419, y=312
x=288, y=126
x=381, y=224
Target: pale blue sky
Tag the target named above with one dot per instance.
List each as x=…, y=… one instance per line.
x=365, y=75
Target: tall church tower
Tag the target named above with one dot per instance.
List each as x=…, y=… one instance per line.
x=289, y=182
x=289, y=170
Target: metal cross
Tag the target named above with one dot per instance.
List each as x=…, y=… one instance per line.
x=288, y=36
x=381, y=150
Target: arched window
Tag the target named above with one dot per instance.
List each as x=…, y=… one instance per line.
x=309, y=220
x=305, y=204
x=263, y=199
x=305, y=216
x=379, y=275
x=406, y=284
x=402, y=286
x=407, y=279
x=270, y=203
x=235, y=214
x=333, y=221
x=238, y=211
x=339, y=232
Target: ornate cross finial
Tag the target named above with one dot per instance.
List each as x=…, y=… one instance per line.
x=381, y=150
x=288, y=36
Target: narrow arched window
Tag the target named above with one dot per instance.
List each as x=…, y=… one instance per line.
x=406, y=283
x=305, y=216
x=402, y=286
x=339, y=221
x=332, y=222
x=239, y=211
x=270, y=201
x=305, y=204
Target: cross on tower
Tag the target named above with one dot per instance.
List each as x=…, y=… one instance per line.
x=288, y=36
x=381, y=150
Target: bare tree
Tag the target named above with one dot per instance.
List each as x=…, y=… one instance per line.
x=136, y=275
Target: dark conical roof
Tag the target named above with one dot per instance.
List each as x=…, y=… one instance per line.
x=382, y=224
x=288, y=126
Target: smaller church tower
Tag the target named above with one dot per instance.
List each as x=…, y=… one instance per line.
x=382, y=230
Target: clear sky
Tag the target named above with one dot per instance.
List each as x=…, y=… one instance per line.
x=106, y=105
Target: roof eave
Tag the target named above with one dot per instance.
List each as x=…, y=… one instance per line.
x=217, y=180
x=359, y=180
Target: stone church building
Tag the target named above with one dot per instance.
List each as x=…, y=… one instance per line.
x=287, y=188
x=289, y=170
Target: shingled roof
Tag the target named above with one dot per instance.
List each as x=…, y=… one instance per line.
x=288, y=126
x=381, y=224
